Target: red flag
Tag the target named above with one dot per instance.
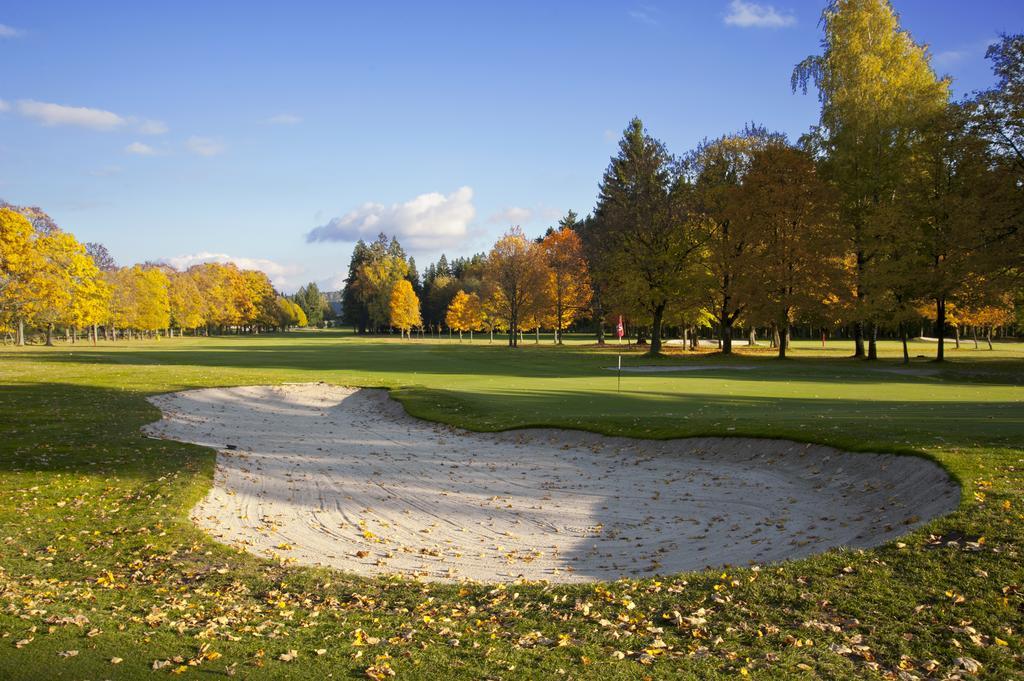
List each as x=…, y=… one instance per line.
x=620, y=330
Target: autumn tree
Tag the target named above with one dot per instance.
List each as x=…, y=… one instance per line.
x=877, y=92
x=649, y=245
x=20, y=263
x=404, y=307
x=718, y=168
x=186, y=302
x=517, y=277
x=955, y=207
x=798, y=248
x=139, y=300
x=569, y=286
x=465, y=313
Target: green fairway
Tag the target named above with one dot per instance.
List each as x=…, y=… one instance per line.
x=98, y=555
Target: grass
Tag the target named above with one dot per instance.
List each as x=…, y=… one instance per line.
x=97, y=554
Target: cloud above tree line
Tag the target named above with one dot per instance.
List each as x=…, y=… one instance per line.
x=50, y=114
x=752, y=15
x=427, y=221
x=282, y=275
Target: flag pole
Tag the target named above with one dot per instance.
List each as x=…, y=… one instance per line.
x=619, y=331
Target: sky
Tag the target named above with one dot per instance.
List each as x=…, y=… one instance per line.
x=276, y=134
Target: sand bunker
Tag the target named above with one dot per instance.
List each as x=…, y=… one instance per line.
x=345, y=478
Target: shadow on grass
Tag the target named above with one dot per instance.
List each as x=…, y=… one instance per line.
x=333, y=353
x=84, y=429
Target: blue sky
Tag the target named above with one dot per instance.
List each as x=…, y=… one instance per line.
x=190, y=131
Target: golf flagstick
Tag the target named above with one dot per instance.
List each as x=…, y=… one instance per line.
x=619, y=331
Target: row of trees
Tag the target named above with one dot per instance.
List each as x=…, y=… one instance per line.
x=520, y=284
x=900, y=205
x=49, y=280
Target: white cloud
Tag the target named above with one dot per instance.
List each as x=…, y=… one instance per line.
x=513, y=215
x=428, y=221
x=752, y=15
x=281, y=274
x=204, y=146
x=9, y=31
x=57, y=114
x=4, y=106
x=140, y=149
x=284, y=119
x=152, y=127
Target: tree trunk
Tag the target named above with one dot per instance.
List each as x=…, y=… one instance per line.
x=940, y=328
x=873, y=342
x=726, y=331
x=659, y=313
x=988, y=337
x=784, y=340
x=974, y=331
x=537, y=342
x=21, y=332
x=903, y=340
x=558, y=321
x=775, y=336
x=956, y=335
x=49, y=334
x=858, y=340
x=752, y=339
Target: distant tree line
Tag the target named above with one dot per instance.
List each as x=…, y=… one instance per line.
x=51, y=282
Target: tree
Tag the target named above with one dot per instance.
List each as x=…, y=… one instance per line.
x=288, y=313
x=799, y=250
x=956, y=205
x=404, y=307
x=998, y=113
x=353, y=307
x=255, y=299
x=312, y=302
x=20, y=264
x=101, y=256
x=140, y=300
x=186, y=301
x=465, y=313
x=569, y=278
x=877, y=92
x=718, y=168
x=650, y=247
x=66, y=289
x=438, y=296
x=517, y=277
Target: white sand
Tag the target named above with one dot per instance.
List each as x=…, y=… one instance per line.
x=345, y=478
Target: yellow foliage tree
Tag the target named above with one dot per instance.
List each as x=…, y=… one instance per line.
x=517, y=277
x=139, y=300
x=65, y=287
x=464, y=314
x=19, y=264
x=569, y=280
x=186, y=301
x=404, y=307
